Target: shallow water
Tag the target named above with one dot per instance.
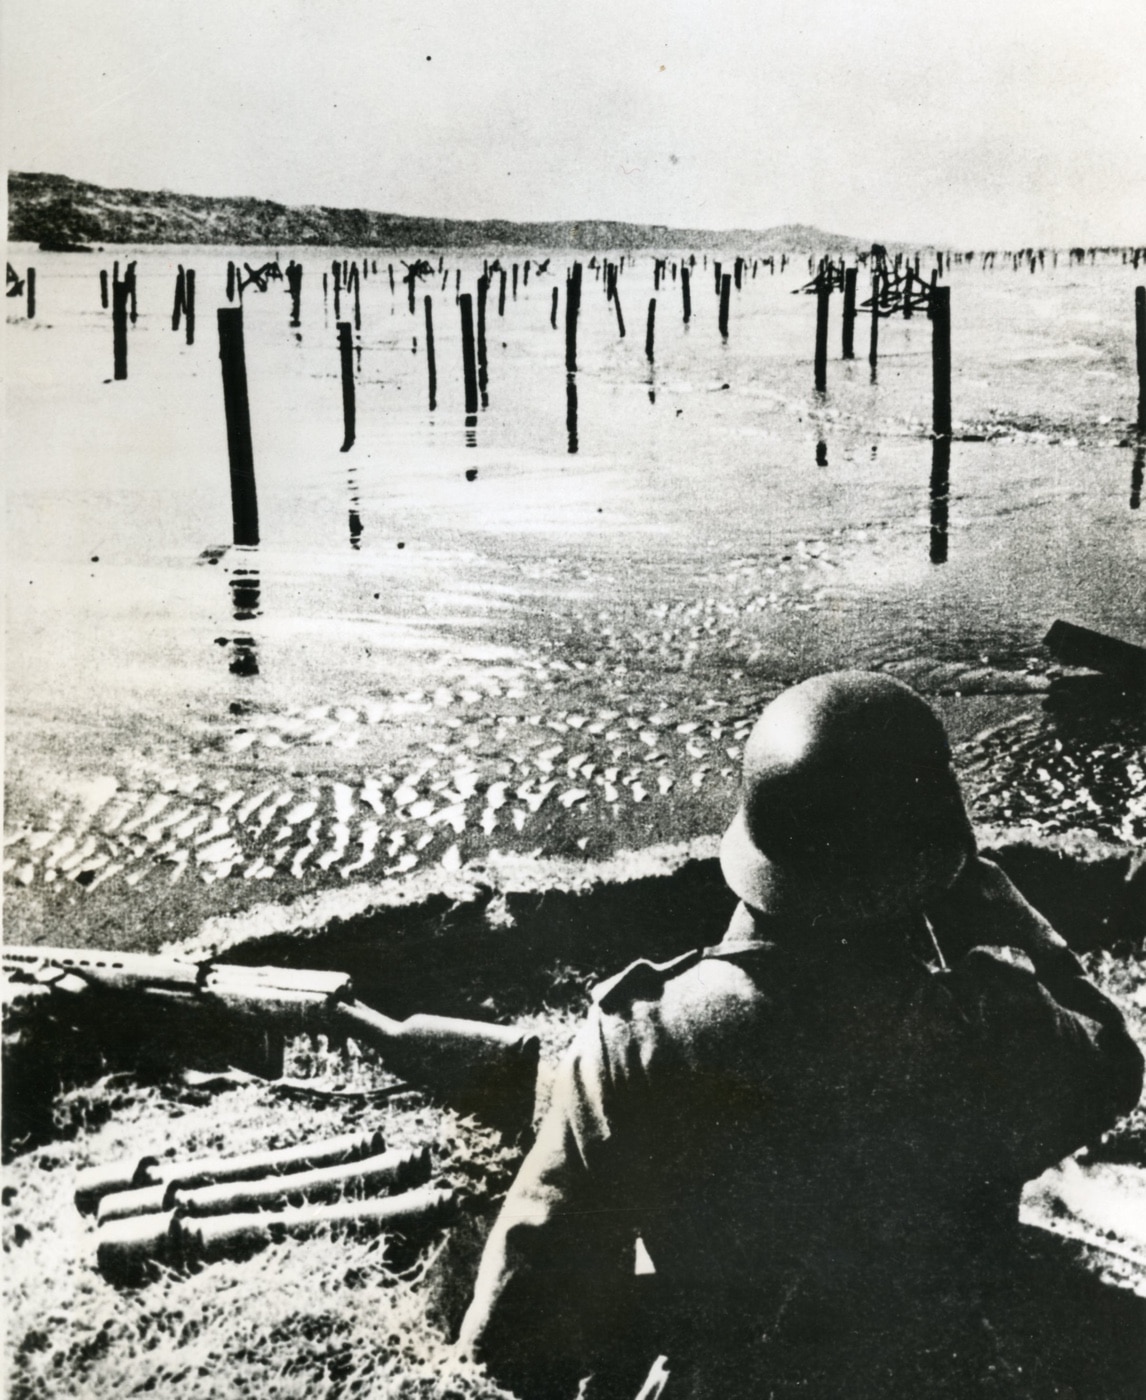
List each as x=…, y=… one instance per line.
x=721, y=529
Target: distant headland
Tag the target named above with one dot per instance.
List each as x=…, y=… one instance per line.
x=60, y=210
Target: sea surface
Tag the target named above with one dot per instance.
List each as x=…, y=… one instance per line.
x=547, y=625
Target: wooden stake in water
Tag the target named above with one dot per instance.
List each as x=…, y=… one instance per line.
x=553, y=310
x=31, y=288
x=501, y=294
x=620, y=313
x=103, y=288
x=850, y=313
x=244, y=500
x=189, y=305
x=180, y=293
x=482, y=356
x=940, y=496
x=685, y=295
x=1140, y=340
x=129, y=283
x=431, y=363
x=572, y=307
x=231, y=281
x=469, y=363
x=941, y=361
x=515, y=281
x=823, y=299
x=346, y=354
x=725, y=293
x=650, y=328
x=119, y=327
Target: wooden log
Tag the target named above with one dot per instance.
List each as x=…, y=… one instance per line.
x=349, y=415
x=244, y=499
x=1124, y=662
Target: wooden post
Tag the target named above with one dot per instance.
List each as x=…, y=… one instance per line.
x=501, y=295
x=873, y=344
x=230, y=281
x=850, y=312
x=103, y=287
x=525, y=273
x=466, y=302
x=31, y=287
x=482, y=359
x=650, y=328
x=571, y=410
x=180, y=293
x=346, y=354
x=189, y=305
x=685, y=296
x=553, y=310
x=1140, y=341
x=716, y=276
x=823, y=297
x=572, y=307
x=941, y=361
x=940, y=496
x=119, y=327
x=390, y=270
x=1137, y=471
x=908, y=282
x=244, y=500
x=620, y=313
x=431, y=363
x=129, y=282
x=725, y=293
x=515, y=281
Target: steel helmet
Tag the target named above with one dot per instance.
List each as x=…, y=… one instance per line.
x=850, y=809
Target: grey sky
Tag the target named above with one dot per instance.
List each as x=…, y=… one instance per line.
x=979, y=122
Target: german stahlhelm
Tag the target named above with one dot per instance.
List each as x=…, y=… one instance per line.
x=850, y=810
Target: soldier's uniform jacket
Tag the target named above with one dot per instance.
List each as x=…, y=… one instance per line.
x=767, y=1119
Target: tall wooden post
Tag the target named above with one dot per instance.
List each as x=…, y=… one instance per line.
x=650, y=327
x=482, y=359
x=501, y=294
x=823, y=298
x=31, y=288
x=244, y=501
x=725, y=293
x=850, y=312
x=940, y=497
x=1140, y=340
x=103, y=300
x=469, y=362
x=119, y=327
x=189, y=305
x=180, y=294
x=553, y=310
x=941, y=361
x=572, y=308
x=346, y=355
x=685, y=295
x=431, y=363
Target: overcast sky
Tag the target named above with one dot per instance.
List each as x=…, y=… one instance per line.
x=976, y=122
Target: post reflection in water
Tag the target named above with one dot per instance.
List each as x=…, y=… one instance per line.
x=1136, y=473
x=471, y=430
x=940, y=490
x=571, y=409
x=245, y=607
x=354, y=519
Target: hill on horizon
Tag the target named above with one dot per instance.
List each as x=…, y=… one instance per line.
x=58, y=208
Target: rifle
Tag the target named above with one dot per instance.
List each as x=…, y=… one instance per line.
x=476, y=1065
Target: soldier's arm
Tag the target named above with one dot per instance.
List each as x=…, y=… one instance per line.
x=556, y=1267
x=1059, y=1065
